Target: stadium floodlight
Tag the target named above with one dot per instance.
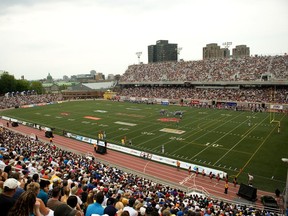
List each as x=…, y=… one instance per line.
x=286, y=187
x=227, y=44
x=138, y=55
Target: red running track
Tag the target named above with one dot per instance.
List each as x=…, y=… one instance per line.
x=160, y=171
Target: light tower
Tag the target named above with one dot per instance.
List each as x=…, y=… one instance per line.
x=226, y=50
x=227, y=44
x=178, y=50
x=138, y=55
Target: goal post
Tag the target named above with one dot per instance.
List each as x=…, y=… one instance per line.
x=273, y=110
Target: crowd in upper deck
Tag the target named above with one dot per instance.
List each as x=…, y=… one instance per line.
x=223, y=69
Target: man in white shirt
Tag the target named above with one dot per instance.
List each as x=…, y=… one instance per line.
x=130, y=207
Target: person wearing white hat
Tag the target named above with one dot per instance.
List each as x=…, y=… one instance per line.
x=6, y=200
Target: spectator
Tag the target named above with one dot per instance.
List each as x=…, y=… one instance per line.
x=6, y=197
x=96, y=208
x=2, y=164
x=26, y=205
x=65, y=210
x=66, y=191
x=43, y=194
x=130, y=208
x=53, y=202
x=19, y=190
x=73, y=203
x=35, y=188
x=110, y=208
x=73, y=192
x=84, y=194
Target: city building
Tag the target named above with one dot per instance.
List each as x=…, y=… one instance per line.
x=214, y=51
x=162, y=51
x=240, y=51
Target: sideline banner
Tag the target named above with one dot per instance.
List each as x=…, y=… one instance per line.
x=153, y=157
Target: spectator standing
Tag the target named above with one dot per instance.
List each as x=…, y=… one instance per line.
x=250, y=179
x=189, y=170
x=235, y=181
x=178, y=165
x=226, y=186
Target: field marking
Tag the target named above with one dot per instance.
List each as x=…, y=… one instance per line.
x=136, y=109
x=125, y=123
x=170, y=130
x=100, y=111
x=208, y=125
x=257, y=150
x=255, y=126
x=130, y=115
x=92, y=117
x=144, y=170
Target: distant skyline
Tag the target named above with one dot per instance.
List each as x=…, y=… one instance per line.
x=69, y=37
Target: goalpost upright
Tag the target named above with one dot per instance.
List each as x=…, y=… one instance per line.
x=274, y=108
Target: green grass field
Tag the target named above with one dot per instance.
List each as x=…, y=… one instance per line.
x=221, y=139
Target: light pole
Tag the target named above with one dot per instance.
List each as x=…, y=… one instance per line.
x=227, y=45
x=138, y=55
x=178, y=49
x=286, y=187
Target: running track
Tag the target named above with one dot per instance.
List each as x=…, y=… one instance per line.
x=160, y=171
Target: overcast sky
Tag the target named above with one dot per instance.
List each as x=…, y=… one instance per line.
x=69, y=37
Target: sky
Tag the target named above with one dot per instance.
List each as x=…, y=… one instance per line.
x=70, y=37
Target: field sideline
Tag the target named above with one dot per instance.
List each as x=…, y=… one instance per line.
x=235, y=142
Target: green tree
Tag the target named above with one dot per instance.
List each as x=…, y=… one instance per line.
x=37, y=86
x=22, y=85
x=7, y=83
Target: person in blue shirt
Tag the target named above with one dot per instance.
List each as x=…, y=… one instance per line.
x=43, y=194
x=96, y=208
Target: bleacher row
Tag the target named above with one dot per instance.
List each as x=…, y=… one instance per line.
x=211, y=70
x=33, y=162
x=248, y=95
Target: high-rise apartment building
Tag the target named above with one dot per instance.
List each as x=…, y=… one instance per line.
x=162, y=51
x=214, y=51
x=241, y=51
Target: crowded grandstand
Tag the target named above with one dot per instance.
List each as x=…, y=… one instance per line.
x=60, y=174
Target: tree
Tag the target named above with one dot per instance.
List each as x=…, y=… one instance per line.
x=7, y=83
x=37, y=86
x=22, y=85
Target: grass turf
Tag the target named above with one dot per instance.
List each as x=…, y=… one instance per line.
x=221, y=139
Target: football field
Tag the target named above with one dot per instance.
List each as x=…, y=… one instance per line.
x=236, y=142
